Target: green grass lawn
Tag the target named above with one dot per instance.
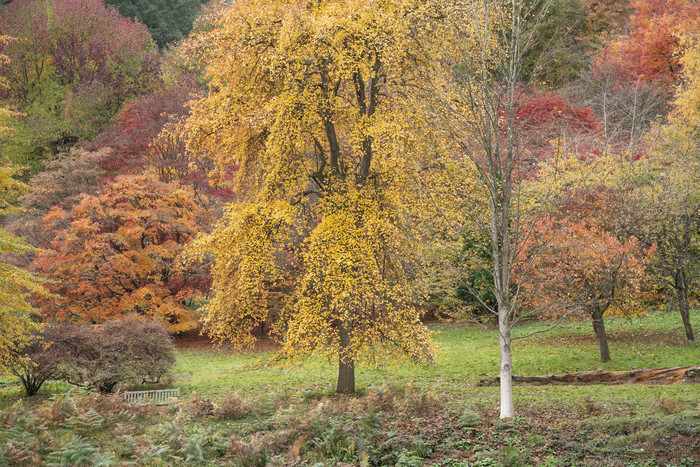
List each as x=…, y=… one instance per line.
x=236, y=410
x=467, y=354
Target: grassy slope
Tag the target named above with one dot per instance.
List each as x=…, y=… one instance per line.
x=235, y=412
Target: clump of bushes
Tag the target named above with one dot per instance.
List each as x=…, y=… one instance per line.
x=104, y=357
x=231, y=407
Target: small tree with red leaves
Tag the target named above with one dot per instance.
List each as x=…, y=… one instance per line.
x=578, y=268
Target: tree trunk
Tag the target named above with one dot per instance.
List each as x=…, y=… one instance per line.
x=684, y=308
x=599, y=328
x=506, y=380
x=687, y=374
x=346, y=364
x=31, y=385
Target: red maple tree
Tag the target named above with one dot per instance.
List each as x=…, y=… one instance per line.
x=119, y=254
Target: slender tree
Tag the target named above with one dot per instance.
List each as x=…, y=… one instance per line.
x=475, y=101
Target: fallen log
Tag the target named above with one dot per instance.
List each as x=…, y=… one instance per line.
x=686, y=374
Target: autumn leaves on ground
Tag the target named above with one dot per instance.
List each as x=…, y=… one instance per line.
x=366, y=207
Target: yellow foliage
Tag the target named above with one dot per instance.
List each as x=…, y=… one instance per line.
x=687, y=101
x=572, y=173
x=304, y=110
x=243, y=245
x=5, y=114
x=354, y=273
x=16, y=284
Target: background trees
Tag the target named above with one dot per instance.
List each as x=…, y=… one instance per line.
x=167, y=21
x=650, y=49
x=633, y=74
x=73, y=63
x=146, y=136
x=66, y=178
x=139, y=123
x=304, y=99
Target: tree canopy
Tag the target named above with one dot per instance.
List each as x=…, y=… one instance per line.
x=114, y=254
x=305, y=101
x=167, y=21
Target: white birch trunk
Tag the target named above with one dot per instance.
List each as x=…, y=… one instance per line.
x=507, y=407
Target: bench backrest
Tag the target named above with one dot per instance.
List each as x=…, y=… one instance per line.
x=155, y=396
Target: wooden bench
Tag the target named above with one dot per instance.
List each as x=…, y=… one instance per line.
x=155, y=396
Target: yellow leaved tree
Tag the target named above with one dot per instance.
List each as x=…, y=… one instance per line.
x=16, y=284
x=305, y=113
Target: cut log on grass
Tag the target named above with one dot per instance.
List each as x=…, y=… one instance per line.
x=686, y=374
